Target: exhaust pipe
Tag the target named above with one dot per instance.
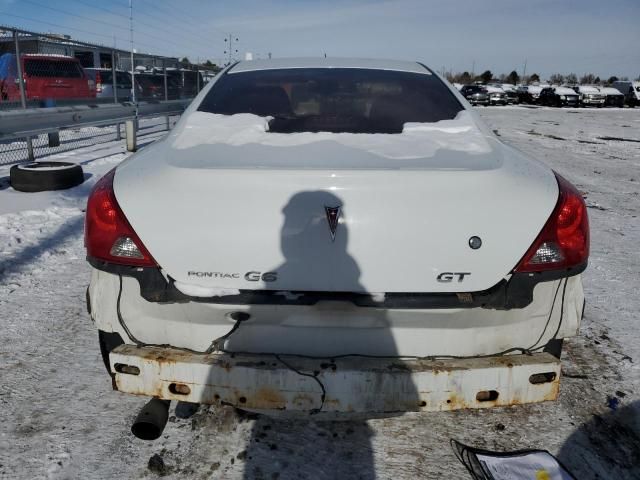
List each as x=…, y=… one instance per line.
x=150, y=422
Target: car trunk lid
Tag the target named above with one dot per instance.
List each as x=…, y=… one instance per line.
x=234, y=207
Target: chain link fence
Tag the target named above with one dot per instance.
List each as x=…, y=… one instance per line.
x=73, y=138
x=44, y=70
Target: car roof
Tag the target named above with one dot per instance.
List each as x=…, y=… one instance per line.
x=364, y=63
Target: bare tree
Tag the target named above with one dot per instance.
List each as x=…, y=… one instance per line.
x=587, y=78
x=571, y=79
x=556, y=78
x=464, y=78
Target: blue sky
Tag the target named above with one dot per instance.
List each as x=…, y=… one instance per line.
x=597, y=36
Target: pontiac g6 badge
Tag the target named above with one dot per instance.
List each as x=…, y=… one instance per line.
x=333, y=214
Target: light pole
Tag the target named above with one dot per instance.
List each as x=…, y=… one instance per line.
x=231, y=50
x=133, y=70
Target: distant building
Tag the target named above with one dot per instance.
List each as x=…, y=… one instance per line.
x=90, y=56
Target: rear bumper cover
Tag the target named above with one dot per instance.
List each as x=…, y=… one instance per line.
x=350, y=384
x=517, y=292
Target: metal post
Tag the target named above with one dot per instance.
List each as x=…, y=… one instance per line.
x=130, y=129
x=23, y=93
x=164, y=72
x=133, y=69
x=197, y=80
x=166, y=88
x=113, y=74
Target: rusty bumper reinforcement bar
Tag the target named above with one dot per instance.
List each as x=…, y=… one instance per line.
x=352, y=384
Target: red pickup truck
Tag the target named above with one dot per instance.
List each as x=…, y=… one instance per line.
x=45, y=76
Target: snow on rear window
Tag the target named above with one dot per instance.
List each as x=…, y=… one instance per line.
x=339, y=100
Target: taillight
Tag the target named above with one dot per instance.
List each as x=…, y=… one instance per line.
x=107, y=233
x=98, y=82
x=564, y=241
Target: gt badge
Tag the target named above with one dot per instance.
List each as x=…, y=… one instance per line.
x=333, y=214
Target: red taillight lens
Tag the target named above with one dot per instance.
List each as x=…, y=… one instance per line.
x=564, y=240
x=107, y=233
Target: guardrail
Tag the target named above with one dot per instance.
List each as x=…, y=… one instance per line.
x=25, y=124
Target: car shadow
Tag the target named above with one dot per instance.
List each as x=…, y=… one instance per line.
x=305, y=444
x=607, y=446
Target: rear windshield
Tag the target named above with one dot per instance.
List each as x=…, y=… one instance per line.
x=334, y=99
x=37, y=67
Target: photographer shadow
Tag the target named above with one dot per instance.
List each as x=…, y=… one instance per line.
x=312, y=444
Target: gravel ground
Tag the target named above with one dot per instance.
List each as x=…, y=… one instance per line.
x=60, y=419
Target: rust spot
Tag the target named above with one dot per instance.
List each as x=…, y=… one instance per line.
x=305, y=401
x=226, y=365
x=455, y=403
x=265, y=397
x=553, y=392
x=332, y=402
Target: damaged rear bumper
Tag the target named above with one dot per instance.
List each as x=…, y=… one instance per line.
x=350, y=384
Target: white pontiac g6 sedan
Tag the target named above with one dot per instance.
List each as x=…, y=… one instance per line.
x=334, y=235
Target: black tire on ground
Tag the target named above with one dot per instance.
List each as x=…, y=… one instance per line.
x=42, y=176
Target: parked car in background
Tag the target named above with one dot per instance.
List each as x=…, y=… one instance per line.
x=511, y=92
x=590, y=96
x=496, y=95
x=631, y=91
x=559, y=97
x=529, y=93
x=188, y=81
x=475, y=94
x=191, y=82
x=613, y=97
x=150, y=86
x=46, y=77
x=103, y=79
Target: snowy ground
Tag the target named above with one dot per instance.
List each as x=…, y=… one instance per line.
x=60, y=419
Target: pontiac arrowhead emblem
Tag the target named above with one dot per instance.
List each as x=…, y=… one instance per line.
x=333, y=214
